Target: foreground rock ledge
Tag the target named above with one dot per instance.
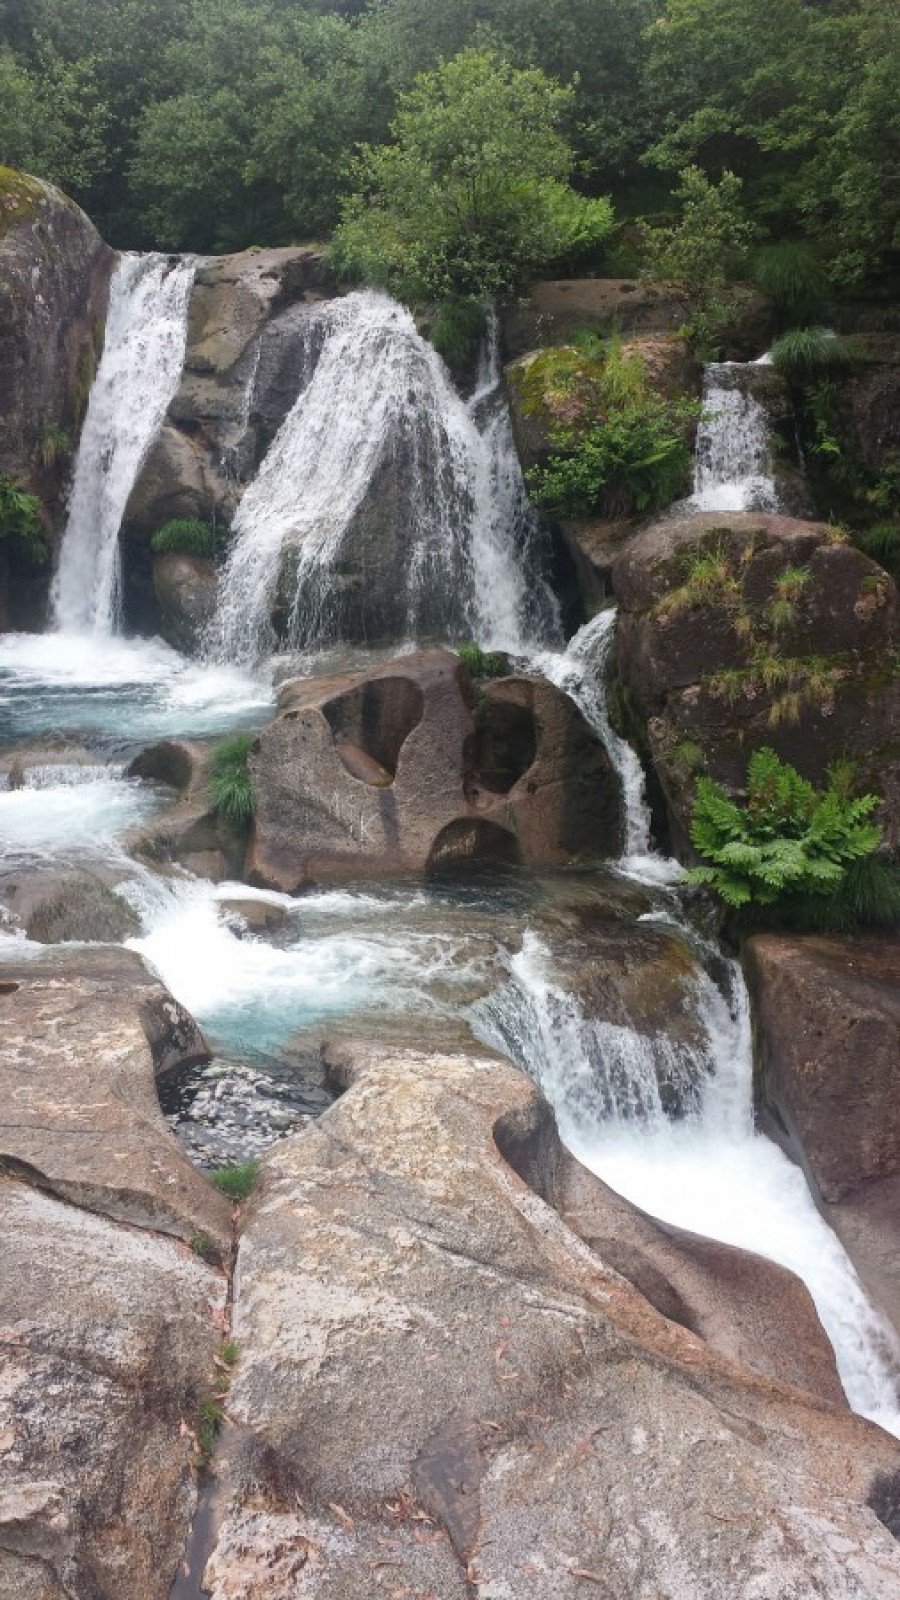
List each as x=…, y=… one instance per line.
x=444, y=1391
x=84, y=1034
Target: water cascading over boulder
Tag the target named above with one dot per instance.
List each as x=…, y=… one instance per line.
x=406, y=769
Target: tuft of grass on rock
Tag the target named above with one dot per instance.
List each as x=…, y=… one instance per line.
x=186, y=536
x=481, y=663
x=238, y=1180
x=230, y=786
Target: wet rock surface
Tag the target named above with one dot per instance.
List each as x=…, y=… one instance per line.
x=548, y=1426
x=185, y=587
x=403, y=770
x=85, y=1033
x=827, y=1017
x=188, y=831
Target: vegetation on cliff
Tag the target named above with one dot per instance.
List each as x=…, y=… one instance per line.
x=216, y=124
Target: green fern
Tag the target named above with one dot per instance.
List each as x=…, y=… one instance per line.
x=789, y=844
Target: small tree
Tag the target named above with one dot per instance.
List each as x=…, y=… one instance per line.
x=697, y=252
x=472, y=197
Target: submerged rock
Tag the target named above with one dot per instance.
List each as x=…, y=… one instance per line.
x=403, y=769
x=439, y=1374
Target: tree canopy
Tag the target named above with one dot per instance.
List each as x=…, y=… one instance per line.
x=214, y=124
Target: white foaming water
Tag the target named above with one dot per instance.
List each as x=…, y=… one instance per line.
x=69, y=812
x=120, y=688
x=379, y=397
x=732, y=468
x=709, y=1171
x=339, y=955
x=139, y=371
x=581, y=672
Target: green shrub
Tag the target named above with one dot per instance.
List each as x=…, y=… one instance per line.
x=805, y=354
x=230, y=786
x=637, y=458
x=882, y=543
x=186, y=536
x=20, y=523
x=794, y=280
x=481, y=663
x=238, y=1180
x=457, y=332
x=55, y=444
x=792, y=851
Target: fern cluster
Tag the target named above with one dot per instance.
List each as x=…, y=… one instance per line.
x=790, y=843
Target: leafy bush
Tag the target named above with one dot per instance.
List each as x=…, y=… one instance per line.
x=480, y=663
x=702, y=249
x=472, y=196
x=794, y=851
x=230, y=786
x=20, y=523
x=794, y=280
x=186, y=536
x=238, y=1180
x=805, y=354
x=456, y=334
x=882, y=543
x=635, y=459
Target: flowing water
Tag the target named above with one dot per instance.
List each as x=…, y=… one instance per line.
x=139, y=371
x=406, y=961
x=732, y=469
x=379, y=400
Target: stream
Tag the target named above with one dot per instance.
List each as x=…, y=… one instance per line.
x=268, y=976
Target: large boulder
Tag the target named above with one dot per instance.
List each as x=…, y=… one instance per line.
x=54, y=906
x=109, y=1341
x=54, y=285
x=443, y=1387
x=185, y=587
x=404, y=769
x=827, y=1021
x=555, y=309
x=741, y=629
x=85, y=1034
x=229, y=402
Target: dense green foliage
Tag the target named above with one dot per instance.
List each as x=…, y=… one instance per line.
x=213, y=124
x=800, y=856
x=702, y=249
x=230, y=786
x=21, y=530
x=472, y=196
x=238, y=1180
x=186, y=536
x=808, y=353
x=619, y=446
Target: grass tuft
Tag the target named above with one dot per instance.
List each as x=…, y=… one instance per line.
x=238, y=1180
x=186, y=536
x=230, y=787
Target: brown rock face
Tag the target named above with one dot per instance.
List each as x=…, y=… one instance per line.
x=440, y=1373
x=54, y=284
x=186, y=590
x=85, y=1034
x=108, y=1347
x=828, y=1033
x=738, y=630
x=555, y=309
x=404, y=770
x=210, y=445
x=188, y=831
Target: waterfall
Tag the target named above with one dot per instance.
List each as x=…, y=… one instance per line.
x=709, y=1171
x=379, y=400
x=139, y=371
x=732, y=470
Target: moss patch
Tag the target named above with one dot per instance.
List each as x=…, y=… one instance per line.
x=20, y=198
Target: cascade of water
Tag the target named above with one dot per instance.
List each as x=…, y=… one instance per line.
x=139, y=371
x=380, y=398
x=732, y=466
x=710, y=1171
x=581, y=671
